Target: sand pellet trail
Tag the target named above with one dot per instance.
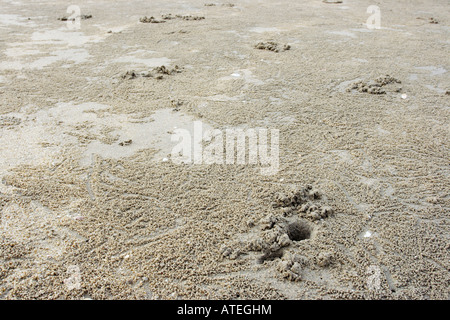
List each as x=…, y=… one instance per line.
x=93, y=207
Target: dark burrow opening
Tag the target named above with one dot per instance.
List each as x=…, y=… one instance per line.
x=298, y=231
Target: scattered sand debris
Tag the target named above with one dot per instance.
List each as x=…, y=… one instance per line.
x=314, y=212
x=304, y=202
x=332, y=1
x=82, y=17
x=230, y=5
x=272, y=46
x=162, y=70
x=378, y=86
x=179, y=31
x=157, y=73
x=165, y=70
x=169, y=16
x=190, y=18
x=176, y=104
x=277, y=233
x=230, y=253
x=447, y=92
x=299, y=208
x=433, y=20
x=6, y=121
x=296, y=197
x=130, y=75
x=13, y=250
x=291, y=266
x=430, y=20
x=387, y=79
x=150, y=20
x=324, y=259
x=125, y=143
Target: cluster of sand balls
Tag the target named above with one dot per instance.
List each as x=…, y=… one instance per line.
x=301, y=201
x=9, y=121
x=291, y=265
x=277, y=231
x=169, y=16
x=157, y=73
x=374, y=87
x=272, y=46
x=314, y=212
x=150, y=20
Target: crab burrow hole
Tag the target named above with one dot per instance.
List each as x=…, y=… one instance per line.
x=298, y=231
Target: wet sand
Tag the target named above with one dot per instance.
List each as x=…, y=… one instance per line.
x=92, y=207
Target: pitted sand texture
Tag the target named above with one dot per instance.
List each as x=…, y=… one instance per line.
x=92, y=207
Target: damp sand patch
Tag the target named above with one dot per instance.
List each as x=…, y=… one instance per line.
x=35, y=54
x=39, y=138
x=62, y=37
x=136, y=135
x=74, y=56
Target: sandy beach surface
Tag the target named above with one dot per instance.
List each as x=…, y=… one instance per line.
x=93, y=205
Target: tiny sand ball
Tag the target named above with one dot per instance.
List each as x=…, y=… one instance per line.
x=165, y=160
x=404, y=96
